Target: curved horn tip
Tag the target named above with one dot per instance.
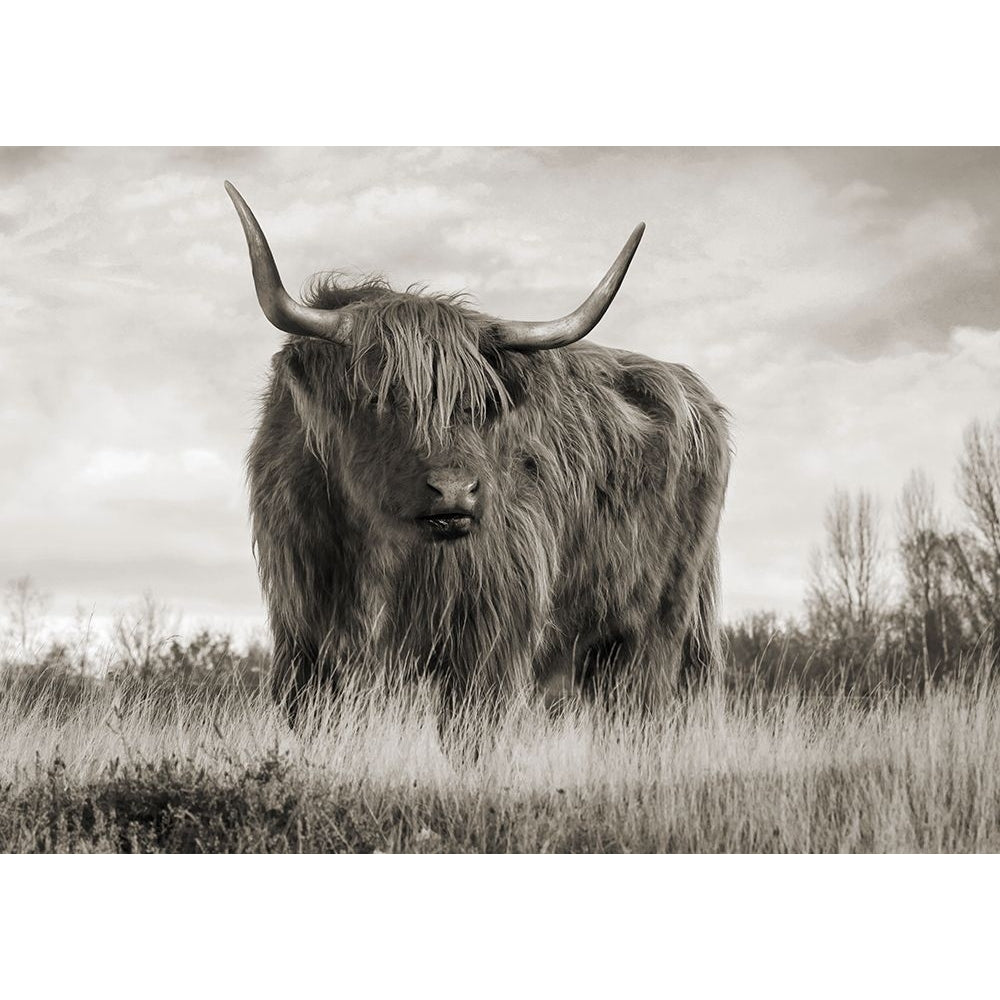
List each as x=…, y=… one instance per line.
x=236, y=197
x=278, y=306
x=528, y=336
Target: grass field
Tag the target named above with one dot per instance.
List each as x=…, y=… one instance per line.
x=156, y=770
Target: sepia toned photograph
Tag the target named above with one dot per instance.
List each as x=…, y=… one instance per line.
x=500, y=500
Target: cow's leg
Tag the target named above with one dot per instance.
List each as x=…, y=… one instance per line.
x=298, y=672
x=701, y=654
x=587, y=667
x=603, y=668
x=556, y=677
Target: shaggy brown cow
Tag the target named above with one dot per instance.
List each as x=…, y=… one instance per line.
x=487, y=499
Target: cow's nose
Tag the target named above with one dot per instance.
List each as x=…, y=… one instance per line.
x=453, y=489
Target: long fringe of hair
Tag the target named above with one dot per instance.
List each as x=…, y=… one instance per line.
x=417, y=350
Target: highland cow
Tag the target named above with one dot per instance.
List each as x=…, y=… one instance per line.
x=491, y=501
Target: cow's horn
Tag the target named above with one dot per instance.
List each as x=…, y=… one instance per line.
x=528, y=336
x=279, y=307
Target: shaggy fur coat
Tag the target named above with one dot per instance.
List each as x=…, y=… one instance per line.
x=594, y=564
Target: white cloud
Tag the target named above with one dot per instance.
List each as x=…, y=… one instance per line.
x=859, y=192
x=113, y=465
x=190, y=475
x=158, y=191
x=945, y=228
x=401, y=205
x=11, y=302
x=201, y=461
x=212, y=256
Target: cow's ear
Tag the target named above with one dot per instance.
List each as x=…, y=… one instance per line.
x=293, y=365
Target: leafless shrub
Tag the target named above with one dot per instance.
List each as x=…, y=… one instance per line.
x=141, y=633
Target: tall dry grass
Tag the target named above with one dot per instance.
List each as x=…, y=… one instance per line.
x=123, y=767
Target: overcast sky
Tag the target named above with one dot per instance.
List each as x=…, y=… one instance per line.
x=844, y=304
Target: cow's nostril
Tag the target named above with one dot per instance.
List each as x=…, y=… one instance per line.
x=453, y=489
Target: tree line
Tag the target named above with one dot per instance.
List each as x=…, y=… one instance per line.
x=143, y=648
x=907, y=602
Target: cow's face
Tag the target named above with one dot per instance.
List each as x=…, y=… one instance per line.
x=442, y=493
x=414, y=440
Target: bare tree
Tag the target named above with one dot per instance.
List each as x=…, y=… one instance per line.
x=923, y=552
x=846, y=597
x=976, y=551
x=139, y=633
x=25, y=606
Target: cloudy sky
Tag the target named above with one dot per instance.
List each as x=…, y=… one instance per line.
x=844, y=304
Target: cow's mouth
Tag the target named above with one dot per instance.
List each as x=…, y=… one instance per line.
x=452, y=524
